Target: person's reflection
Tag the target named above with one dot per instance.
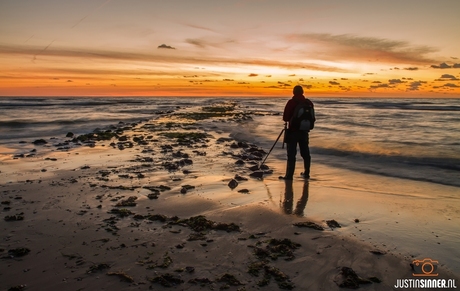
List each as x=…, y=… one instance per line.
x=288, y=201
x=302, y=203
x=288, y=197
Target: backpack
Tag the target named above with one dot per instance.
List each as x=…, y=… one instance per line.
x=303, y=117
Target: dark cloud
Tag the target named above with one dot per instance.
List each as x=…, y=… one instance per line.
x=380, y=86
x=228, y=80
x=395, y=81
x=243, y=83
x=447, y=76
x=69, y=81
x=451, y=85
x=456, y=66
x=293, y=75
x=334, y=83
x=307, y=86
x=441, y=66
x=253, y=75
x=163, y=46
x=414, y=86
x=411, y=69
x=284, y=84
x=344, y=79
x=376, y=82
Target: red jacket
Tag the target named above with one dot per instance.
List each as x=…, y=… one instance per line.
x=291, y=105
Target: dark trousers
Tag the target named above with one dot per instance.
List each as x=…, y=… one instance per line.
x=292, y=139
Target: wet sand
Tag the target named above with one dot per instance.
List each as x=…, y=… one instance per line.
x=157, y=211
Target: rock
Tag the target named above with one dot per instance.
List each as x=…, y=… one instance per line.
x=185, y=188
x=233, y=184
x=260, y=174
x=257, y=167
x=18, y=252
x=333, y=224
x=309, y=224
x=240, y=178
x=69, y=134
x=378, y=252
x=40, y=142
x=350, y=279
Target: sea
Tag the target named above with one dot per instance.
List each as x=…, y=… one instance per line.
x=414, y=139
x=392, y=163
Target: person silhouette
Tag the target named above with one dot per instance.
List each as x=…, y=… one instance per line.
x=299, y=114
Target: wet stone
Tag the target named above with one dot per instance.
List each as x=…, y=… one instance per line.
x=232, y=184
x=309, y=224
x=333, y=224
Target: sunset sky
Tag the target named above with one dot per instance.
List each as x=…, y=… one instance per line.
x=404, y=48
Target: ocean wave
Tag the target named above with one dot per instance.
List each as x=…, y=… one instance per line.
x=401, y=166
x=392, y=104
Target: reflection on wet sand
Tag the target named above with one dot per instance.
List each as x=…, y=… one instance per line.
x=288, y=202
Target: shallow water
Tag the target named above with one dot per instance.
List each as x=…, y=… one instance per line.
x=404, y=138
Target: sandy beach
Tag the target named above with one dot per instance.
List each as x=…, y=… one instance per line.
x=171, y=206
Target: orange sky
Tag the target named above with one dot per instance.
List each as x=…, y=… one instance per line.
x=234, y=48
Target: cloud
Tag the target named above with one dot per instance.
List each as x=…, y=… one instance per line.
x=199, y=27
x=441, y=66
x=334, y=83
x=451, y=85
x=411, y=69
x=380, y=86
x=163, y=46
x=447, y=76
x=376, y=82
x=183, y=59
x=228, y=80
x=456, y=66
x=395, y=81
x=414, y=86
x=253, y=75
x=351, y=47
x=196, y=42
x=284, y=84
x=201, y=43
